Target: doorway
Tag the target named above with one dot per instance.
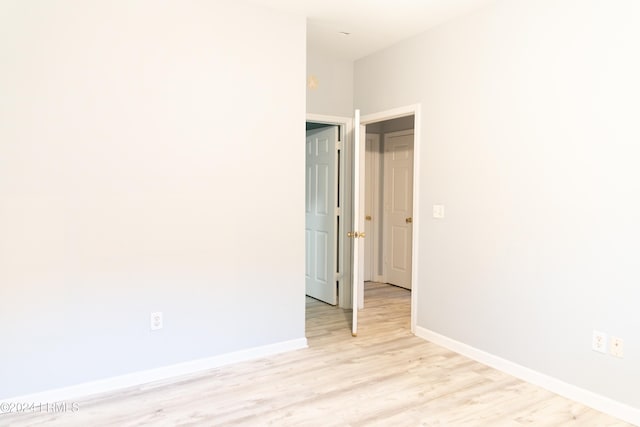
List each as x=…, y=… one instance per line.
x=321, y=212
x=389, y=202
x=351, y=162
x=393, y=247
x=327, y=273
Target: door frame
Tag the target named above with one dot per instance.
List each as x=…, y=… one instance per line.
x=408, y=110
x=345, y=125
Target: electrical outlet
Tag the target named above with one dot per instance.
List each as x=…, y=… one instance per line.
x=438, y=211
x=617, y=347
x=599, y=342
x=155, y=321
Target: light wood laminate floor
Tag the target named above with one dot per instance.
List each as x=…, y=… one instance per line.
x=384, y=377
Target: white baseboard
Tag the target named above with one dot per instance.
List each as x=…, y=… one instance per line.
x=577, y=394
x=144, y=377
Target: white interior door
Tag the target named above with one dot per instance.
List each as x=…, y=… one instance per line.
x=371, y=217
x=320, y=222
x=358, y=221
x=398, y=207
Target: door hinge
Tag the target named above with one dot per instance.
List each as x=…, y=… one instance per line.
x=338, y=211
x=339, y=145
x=338, y=277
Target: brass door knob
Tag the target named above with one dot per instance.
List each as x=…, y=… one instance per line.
x=408, y=220
x=355, y=234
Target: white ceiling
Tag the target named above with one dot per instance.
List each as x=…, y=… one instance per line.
x=373, y=24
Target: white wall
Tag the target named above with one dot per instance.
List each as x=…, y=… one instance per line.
x=333, y=94
x=135, y=176
x=530, y=139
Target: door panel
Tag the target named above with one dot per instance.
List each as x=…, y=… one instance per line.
x=399, y=248
x=308, y=254
x=398, y=194
x=321, y=220
x=371, y=217
x=322, y=275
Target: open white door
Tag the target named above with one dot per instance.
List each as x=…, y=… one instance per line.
x=358, y=220
x=320, y=220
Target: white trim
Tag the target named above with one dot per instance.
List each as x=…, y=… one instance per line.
x=334, y=120
x=357, y=197
x=166, y=372
x=399, y=133
x=417, y=144
x=577, y=394
x=391, y=114
x=394, y=113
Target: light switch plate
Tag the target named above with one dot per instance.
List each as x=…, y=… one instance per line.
x=155, y=321
x=438, y=211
